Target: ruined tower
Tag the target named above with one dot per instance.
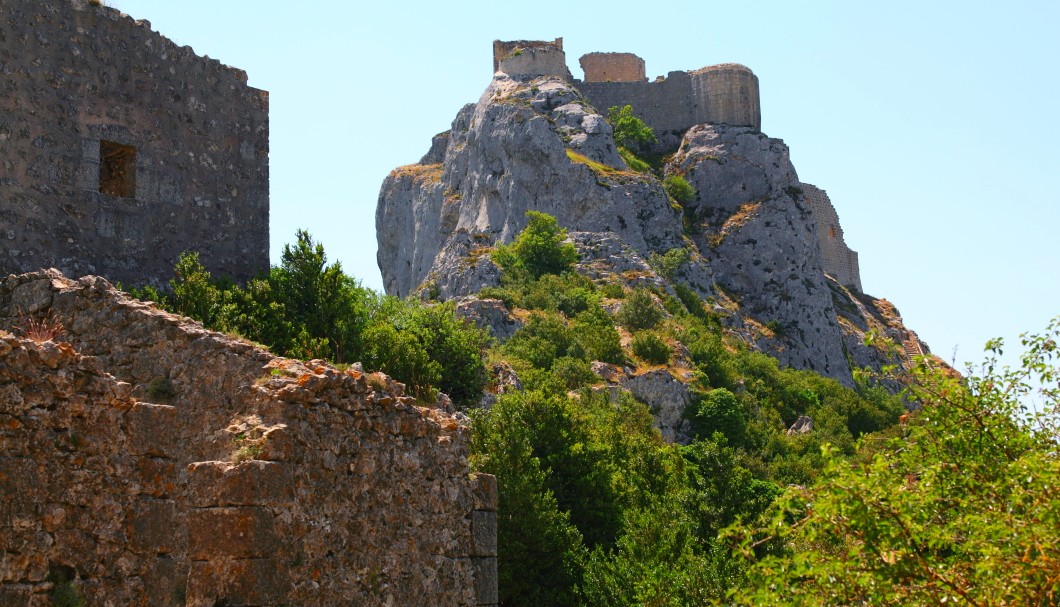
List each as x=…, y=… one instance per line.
x=120, y=149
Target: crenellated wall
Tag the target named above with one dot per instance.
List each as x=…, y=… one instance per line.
x=119, y=149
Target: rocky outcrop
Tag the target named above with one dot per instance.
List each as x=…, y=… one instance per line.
x=147, y=461
x=526, y=145
x=536, y=144
x=749, y=220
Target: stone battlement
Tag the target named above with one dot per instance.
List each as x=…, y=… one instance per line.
x=726, y=93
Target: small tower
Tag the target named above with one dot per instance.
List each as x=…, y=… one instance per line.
x=530, y=58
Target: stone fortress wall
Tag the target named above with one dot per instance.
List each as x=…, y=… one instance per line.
x=837, y=259
x=612, y=67
x=150, y=462
x=120, y=149
x=726, y=93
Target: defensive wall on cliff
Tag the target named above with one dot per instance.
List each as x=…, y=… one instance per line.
x=120, y=149
x=837, y=258
x=726, y=93
x=147, y=461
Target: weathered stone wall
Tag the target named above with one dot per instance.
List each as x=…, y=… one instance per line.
x=534, y=62
x=76, y=75
x=612, y=67
x=719, y=94
x=837, y=258
x=504, y=48
x=726, y=94
x=207, y=472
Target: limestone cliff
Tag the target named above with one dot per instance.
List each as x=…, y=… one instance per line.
x=537, y=144
x=146, y=461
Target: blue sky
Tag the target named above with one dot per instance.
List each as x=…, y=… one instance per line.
x=934, y=127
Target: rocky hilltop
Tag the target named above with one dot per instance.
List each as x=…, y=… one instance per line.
x=533, y=141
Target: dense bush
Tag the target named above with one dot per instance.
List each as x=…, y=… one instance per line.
x=959, y=507
x=630, y=132
x=651, y=348
x=639, y=311
x=538, y=249
x=679, y=189
x=306, y=308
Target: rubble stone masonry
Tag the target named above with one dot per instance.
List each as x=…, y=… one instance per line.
x=147, y=461
x=119, y=149
x=837, y=258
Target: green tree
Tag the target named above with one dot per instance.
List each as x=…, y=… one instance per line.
x=539, y=249
x=962, y=507
x=630, y=132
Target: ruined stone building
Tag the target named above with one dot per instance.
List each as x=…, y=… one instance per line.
x=120, y=149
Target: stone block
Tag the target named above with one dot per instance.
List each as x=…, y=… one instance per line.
x=242, y=533
x=151, y=527
x=238, y=582
x=484, y=488
x=156, y=477
x=483, y=533
x=250, y=483
x=22, y=490
x=149, y=430
x=485, y=569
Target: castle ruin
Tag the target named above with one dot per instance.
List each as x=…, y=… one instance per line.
x=726, y=94
x=837, y=259
x=120, y=149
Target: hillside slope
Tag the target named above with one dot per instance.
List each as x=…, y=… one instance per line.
x=750, y=244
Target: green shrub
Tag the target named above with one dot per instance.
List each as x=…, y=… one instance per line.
x=539, y=249
x=573, y=373
x=630, y=132
x=667, y=264
x=612, y=290
x=640, y=311
x=651, y=348
x=597, y=337
x=693, y=302
x=719, y=411
x=679, y=189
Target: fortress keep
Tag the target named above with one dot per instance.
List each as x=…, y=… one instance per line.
x=120, y=150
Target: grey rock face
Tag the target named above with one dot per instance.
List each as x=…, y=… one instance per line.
x=506, y=155
x=668, y=399
x=535, y=144
x=760, y=240
x=489, y=314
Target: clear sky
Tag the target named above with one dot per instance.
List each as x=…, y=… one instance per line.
x=933, y=126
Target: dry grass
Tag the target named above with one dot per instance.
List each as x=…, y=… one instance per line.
x=39, y=330
x=420, y=173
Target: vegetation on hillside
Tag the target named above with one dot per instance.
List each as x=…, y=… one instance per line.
x=956, y=503
x=307, y=308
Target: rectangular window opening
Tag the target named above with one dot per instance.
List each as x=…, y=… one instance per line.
x=117, y=169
